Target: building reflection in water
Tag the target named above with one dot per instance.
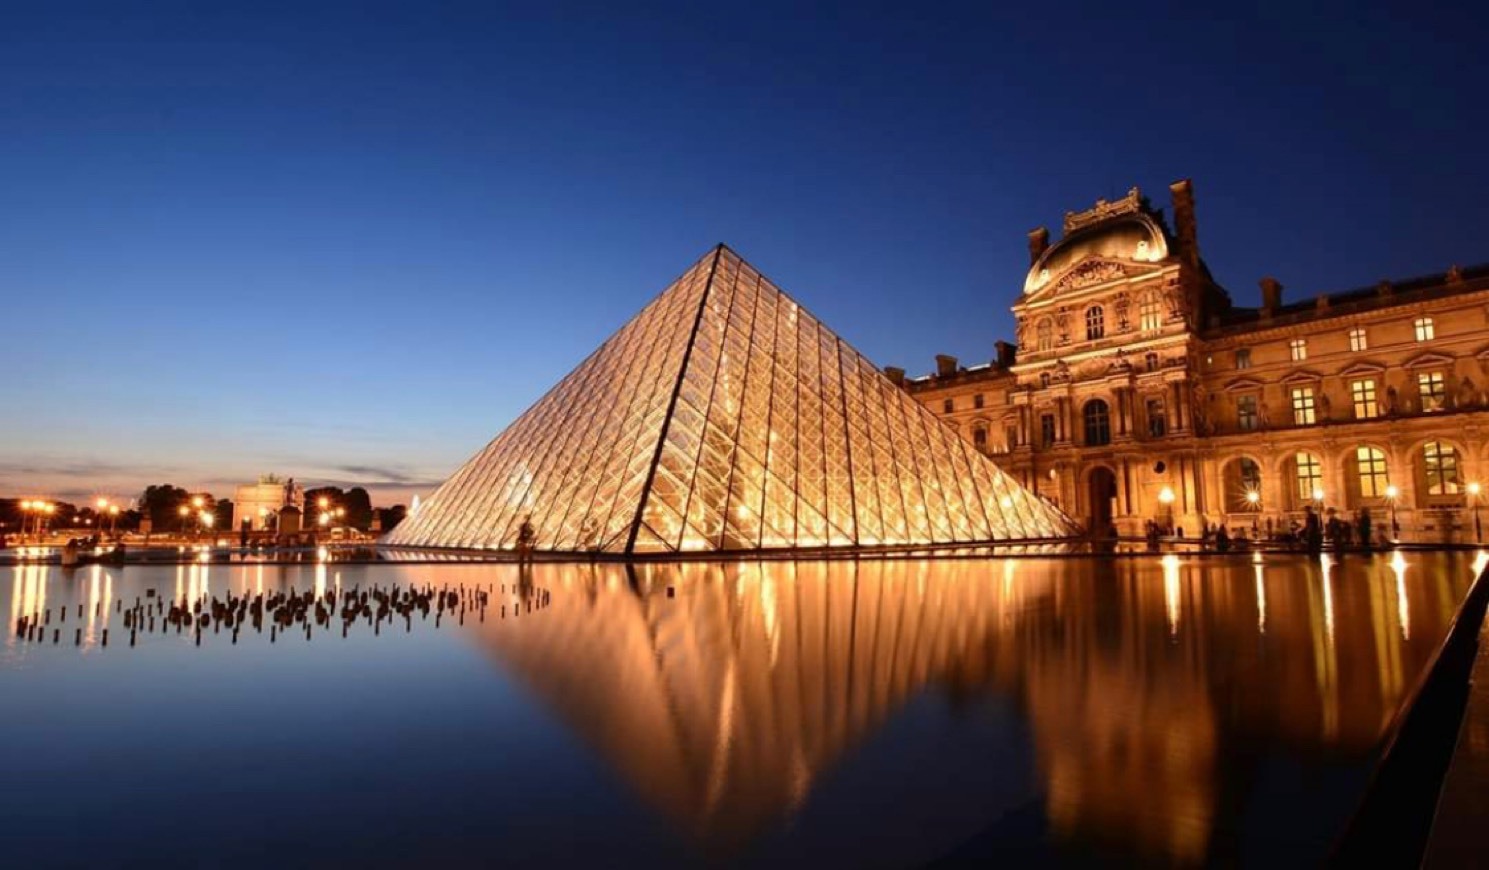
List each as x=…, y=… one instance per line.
x=1149, y=699
x=724, y=693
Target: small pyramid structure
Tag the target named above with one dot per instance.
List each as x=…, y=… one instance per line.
x=725, y=418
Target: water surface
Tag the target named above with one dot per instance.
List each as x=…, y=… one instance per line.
x=1181, y=711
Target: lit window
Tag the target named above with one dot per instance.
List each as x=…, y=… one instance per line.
x=1372, y=471
x=1246, y=415
x=1150, y=361
x=1045, y=335
x=1303, y=412
x=1243, y=358
x=1357, y=340
x=1298, y=347
x=977, y=400
x=1424, y=329
x=1148, y=314
x=1046, y=430
x=1440, y=461
x=1433, y=390
x=1095, y=323
x=1098, y=424
x=1157, y=421
x=1310, y=477
x=1362, y=393
x=947, y=406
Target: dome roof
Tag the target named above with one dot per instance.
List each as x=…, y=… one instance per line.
x=1131, y=238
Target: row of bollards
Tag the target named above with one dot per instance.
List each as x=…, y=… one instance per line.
x=301, y=611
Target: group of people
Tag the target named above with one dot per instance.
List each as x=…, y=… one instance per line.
x=1316, y=528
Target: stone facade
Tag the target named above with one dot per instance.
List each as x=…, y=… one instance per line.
x=1138, y=391
x=258, y=505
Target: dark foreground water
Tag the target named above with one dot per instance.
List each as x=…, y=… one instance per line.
x=1184, y=711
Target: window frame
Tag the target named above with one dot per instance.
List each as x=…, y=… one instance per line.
x=1359, y=340
x=1439, y=463
x=1096, y=429
x=1243, y=358
x=1297, y=349
x=1424, y=328
x=1304, y=403
x=1372, y=472
x=1308, y=475
x=1363, y=393
x=1248, y=419
x=1432, y=385
x=1095, y=323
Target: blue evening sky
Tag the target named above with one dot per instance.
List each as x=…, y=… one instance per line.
x=350, y=243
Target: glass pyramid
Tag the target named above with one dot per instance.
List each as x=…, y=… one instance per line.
x=724, y=417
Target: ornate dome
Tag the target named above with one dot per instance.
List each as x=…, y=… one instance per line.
x=1130, y=238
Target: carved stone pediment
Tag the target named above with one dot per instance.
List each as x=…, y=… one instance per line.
x=1089, y=273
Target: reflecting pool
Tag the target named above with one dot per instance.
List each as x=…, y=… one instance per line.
x=1183, y=710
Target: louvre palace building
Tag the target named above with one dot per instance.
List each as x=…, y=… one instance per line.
x=1137, y=391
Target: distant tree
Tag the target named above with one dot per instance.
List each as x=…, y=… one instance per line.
x=160, y=504
x=358, y=508
x=334, y=497
x=392, y=516
x=222, y=514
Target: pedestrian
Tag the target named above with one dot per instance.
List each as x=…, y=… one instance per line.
x=1363, y=524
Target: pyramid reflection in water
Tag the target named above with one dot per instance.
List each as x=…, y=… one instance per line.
x=725, y=417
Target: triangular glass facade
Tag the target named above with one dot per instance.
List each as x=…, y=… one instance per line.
x=724, y=417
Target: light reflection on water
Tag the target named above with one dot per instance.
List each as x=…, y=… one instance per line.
x=1180, y=710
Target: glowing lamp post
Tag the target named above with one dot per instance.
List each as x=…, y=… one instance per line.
x=1392, y=493
x=1473, y=493
x=183, y=512
x=1254, y=502
x=1166, y=498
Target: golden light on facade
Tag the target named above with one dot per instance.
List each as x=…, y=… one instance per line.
x=1391, y=491
x=1253, y=497
x=1474, y=489
x=1166, y=496
x=1318, y=493
x=198, y=502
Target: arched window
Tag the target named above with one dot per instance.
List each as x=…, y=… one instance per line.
x=1095, y=323
x=1098, y=423
x=1371, y=464
x=1440, y=468
x=1242, y=481
x=1309, y=476
x=1045, y=335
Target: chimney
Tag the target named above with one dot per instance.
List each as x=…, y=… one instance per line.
x=1185, y=227
x=945, y=365
x=1271, y=295
x=896, y=375
x=1005, y=354
x=1039, y=242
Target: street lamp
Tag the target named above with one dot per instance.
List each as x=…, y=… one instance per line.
x=184, y=512
x=1392, y=493
x=1478, y=528
x=1166, y=498
x=1254, y=501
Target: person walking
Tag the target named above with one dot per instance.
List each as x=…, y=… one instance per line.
x=525, y=536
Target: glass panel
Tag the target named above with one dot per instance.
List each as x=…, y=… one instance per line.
x=773, y=433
